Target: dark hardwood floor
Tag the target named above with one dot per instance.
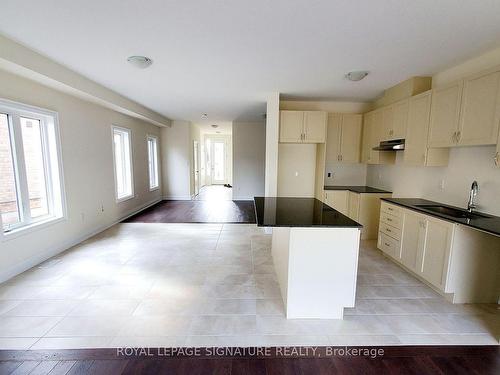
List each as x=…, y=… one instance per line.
x=198, y=211
x=418, y=360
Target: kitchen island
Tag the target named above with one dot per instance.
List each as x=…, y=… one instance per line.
x=315, y=254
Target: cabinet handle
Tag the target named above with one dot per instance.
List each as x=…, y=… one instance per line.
x=390, y=209
x=386, y=244
x=497, y=158
x=454, y=137
x=341, y=158
x=389, y=219
x=388, y=230
x=459, y=135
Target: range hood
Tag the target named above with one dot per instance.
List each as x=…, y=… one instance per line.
x=393, y=145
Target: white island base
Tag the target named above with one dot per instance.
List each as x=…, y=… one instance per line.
x=317, y=270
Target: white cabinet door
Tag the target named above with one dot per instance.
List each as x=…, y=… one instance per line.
x=315, y=126
x=417, y=130
x=291, y=126
x=353, y=206
x=367, y=137
x=377, y=134
x=413, y=240
x=439, y=236
x=350, y=148
x=399, y=120
x=496, y=158
x=334, y=131
x=387, y=122
x=480, y=110
x=445, y=113
x=339, y=200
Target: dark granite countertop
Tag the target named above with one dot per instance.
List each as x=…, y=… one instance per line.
x=357, y=189
x=299, y=212
x=489, y=223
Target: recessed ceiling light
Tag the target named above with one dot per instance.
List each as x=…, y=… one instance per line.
x=204, y=116
x=141, y=62
x=356, y=76
x=214, y=126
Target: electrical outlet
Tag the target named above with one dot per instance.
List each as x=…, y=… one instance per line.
x=329, y=174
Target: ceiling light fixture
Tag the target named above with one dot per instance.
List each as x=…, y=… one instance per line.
x=356, y=76
x=141, y=62
x=204, y=116
x=214, y=126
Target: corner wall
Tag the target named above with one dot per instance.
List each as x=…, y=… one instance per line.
x=176, y=157
x=249, y=159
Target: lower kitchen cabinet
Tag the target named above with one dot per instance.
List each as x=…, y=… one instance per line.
x=363, y=208
x=458, y=261
x=496, y=158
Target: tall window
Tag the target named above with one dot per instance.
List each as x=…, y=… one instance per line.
x=30, y=176
x=123, y=163
x=153, y=162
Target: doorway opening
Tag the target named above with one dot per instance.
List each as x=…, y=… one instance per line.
x=213, y=174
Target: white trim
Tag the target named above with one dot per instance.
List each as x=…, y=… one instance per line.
x=157, y=157
x=49, y=253
x=177, y=197
x=131, y=162
x=54, y=179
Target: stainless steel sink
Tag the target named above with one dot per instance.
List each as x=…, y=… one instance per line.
x=453, y=212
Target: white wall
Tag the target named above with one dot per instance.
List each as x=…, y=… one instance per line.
x=88, y=173
x=296, y=170
x=249, y=159
x=176, y=155
x=272, y=136
x=345, y=174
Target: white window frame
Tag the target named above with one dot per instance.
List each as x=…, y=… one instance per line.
x=53, y=166
x=156, y=170
x=129, y=132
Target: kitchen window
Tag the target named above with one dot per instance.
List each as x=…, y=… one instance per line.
x=31, y=190
x=122, y=154
x=153, y=162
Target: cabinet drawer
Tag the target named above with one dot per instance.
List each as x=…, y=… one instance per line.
x=391, y=209
x=390, y=231
x=392, y=220
x=389, y=245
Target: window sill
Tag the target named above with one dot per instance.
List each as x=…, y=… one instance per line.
x=154, y=188
x=18, y=232
x=126, y=198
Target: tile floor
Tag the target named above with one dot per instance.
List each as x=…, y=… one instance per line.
x=213, y=284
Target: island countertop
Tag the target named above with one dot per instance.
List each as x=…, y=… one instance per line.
x=299, y=212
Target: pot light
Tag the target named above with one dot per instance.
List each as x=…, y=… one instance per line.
x=141, y=62
x=356, y=76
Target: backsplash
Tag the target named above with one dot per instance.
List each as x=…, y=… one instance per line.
x=345, y=174
x=466, y=165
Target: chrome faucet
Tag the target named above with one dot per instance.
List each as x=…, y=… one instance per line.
x=472, y=194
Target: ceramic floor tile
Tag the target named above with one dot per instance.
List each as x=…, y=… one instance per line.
x=16, y=326
x=17, y=343
x=170, y=325
x=85, y=342
x=75, y=326
x=97, y=307
x=42, y=308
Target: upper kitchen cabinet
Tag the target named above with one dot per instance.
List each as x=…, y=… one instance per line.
x=291, y=126
x=315, y=126
x=480, y=112
x=303, y=126
x=373, y=134
x=445, y=113
x=385, y=126
x=344, y=138
x=416, y=151
x=399, y=120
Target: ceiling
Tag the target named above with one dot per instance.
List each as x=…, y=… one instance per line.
x=223, y=127
x=224, y=57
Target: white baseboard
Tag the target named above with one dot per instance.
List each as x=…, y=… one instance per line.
x=242, y=198
x=39, y=258
x=177, y=198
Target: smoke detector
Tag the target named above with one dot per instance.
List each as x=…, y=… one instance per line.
x=357, y=75
x=141, y=62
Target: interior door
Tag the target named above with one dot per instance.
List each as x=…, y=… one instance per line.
x=196, y=170
x=218, y=158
